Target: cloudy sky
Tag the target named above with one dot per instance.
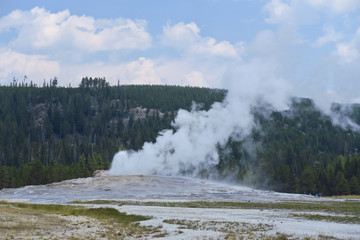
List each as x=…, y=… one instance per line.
x=311, y=45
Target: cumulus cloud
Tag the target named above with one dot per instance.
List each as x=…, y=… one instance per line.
x=41, y=29
x=181, y=34
x=36, y=67
x=142, y=71
x=278, y=11
x=149, y=71
x=187, y=38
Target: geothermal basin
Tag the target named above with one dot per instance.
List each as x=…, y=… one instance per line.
x=131, y=194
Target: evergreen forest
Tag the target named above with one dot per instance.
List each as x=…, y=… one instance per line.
x=52, y=133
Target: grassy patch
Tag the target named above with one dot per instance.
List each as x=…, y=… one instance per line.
x=324, y=237
x=27, y=223
x=328, y=218
x=112, y=202
x=352, y=208
x=38, y=219
x=220, y=226
x=159, y=235
x=99, y=213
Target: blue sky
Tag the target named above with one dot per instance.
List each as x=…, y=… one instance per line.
x=310, y=48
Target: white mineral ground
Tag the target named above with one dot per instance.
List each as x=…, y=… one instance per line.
x=159, y=188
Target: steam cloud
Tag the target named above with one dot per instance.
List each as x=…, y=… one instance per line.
x=193, y=146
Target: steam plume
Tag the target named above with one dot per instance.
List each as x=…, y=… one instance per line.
x=193, y=146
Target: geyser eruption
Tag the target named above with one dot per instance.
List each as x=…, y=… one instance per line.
x=190, y=148
x=193, y=146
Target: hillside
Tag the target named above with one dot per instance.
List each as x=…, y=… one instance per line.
x=299, y=150
x=52, y=133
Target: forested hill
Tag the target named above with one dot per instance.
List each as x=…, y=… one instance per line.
x=53, y=133
x=299, y=150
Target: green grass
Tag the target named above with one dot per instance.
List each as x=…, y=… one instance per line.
x=343, y=207
x=99, y=213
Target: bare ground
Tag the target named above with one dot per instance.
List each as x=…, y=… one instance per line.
x=20, y=223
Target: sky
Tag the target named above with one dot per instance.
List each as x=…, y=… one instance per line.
x=309, y=48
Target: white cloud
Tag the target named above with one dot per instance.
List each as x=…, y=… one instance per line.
x=187, y=38
x=40, y=29
x=278, y=11
x=196, y=79
x=192, y=72
x=148, y=71
x=142, y=71
x=36, y=67
x=203, y=60
x=330, y=35
x=181, y=34
x=348, y=52
x=16, y=18
x=322, y=74
x=210, y=46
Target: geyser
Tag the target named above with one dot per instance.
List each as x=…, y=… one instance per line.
x=190, y=148
x=193, y=146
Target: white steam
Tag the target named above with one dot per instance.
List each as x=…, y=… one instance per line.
x=193, y=146
x=340, y=116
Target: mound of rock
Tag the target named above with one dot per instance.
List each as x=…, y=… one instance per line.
x=100, y=173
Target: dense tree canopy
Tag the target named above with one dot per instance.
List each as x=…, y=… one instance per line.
x=53, y=133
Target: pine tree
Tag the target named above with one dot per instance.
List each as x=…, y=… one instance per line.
x=5, y=180
x=309, y=181
x=36, y=173
x=342, y=185
x=354, y=185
